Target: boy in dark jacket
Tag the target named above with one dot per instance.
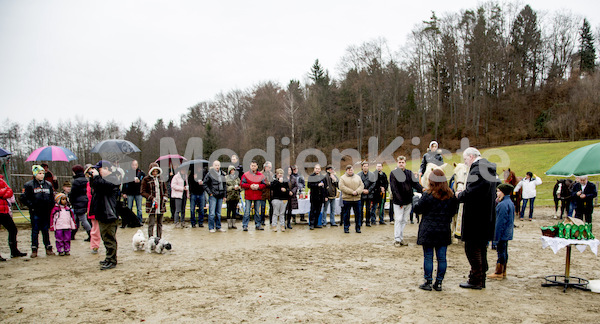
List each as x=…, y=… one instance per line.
x=38, y=196
x=79, y=200
x=105, y=192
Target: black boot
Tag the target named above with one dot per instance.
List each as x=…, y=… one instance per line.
x=426, y=285
x=14, y=251
x=88, y=238
x=2, y=259
x=437, y=285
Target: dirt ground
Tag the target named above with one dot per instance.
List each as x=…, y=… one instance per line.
x=294, y=276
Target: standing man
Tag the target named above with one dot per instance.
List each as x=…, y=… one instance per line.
x=196, y=183
x=216, y=187
x=38, y=195
x=402, y=183
x=351, y=187
x=380, y=193
x=479, y=214
x=266, y=193
x=318, y=195
x=253, y=182
x=369, y=181
x=105, y=191
x=132, y=182
x=584, y=193
x=332, y=187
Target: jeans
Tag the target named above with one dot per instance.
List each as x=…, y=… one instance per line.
x=40, y=223
x=440, y=252
x=248, y=206
x=377, y=210
x=263, y=208
x=355, y=205
x=232, y=209
x=197, y=201
x=179, y=213
x=572, y=207
x=402, y=214
x=369, y=210
x=502, y=249
x=214, y=209
x=530, y=207
x=138, y=205
x=331, y=203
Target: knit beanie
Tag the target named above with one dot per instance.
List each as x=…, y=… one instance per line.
x=506, y=188
x=35, y=169
x=58, y=197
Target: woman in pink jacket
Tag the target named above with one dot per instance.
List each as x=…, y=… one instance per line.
x=95, y=238
x=178, y=187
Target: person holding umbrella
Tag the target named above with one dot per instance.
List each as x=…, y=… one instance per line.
x=105, y=192
x=38, y=196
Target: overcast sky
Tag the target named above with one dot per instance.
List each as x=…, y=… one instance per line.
x=121, y=60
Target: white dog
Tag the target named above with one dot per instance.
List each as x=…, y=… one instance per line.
x=138, y=241
x=157, y=245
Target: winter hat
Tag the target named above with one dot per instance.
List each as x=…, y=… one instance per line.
x=154, y=166
x=88, y=167
x=58, y=197
x=506, y=188
x=433, y=142
x=77, y=168
x=229, y=168
x=35, y=169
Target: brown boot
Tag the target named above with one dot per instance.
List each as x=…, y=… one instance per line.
x=49, y=251
x=33, y=253
x=498, y=273
x=504, y=271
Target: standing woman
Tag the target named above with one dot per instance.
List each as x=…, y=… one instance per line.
x=528, y=184
x=293, y=198
x=438, y=206
x=95, y=237
x=433, y=155
x=280, y=200
x=233, y=195
x=155, y=192
x=79, y=199
x=178, y=189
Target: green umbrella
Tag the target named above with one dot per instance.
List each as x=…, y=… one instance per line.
x=583, y=161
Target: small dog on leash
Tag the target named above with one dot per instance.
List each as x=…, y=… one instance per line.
x=157, y=245
x=139, y=241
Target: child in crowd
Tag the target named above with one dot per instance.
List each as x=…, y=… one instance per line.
x=504, y=228
x=63, y=221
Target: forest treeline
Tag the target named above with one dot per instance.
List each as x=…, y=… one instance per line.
x=496, y=74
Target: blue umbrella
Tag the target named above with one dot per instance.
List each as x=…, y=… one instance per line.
x=4, y=152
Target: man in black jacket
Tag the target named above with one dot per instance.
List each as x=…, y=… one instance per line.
x=215, y=185
x=479, y=214
x=132, y=182
x=105, y=192
x=197, y=201
x=584, y=193
x=369, y=180
x=318, y=195
x=380, y=193
x=38, y=195
x=402, y=183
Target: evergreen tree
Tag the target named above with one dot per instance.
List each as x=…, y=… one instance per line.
x=210, y=140
x=587, y=51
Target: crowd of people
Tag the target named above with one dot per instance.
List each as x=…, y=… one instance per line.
x=97, y=189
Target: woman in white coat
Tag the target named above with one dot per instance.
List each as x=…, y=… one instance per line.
x=528, y=184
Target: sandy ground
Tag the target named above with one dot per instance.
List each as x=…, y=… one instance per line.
x=295, y=276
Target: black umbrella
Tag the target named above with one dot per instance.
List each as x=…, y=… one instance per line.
x=187, y=164
x=114, y=149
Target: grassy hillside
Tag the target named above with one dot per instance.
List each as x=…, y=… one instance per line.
x=537, y=158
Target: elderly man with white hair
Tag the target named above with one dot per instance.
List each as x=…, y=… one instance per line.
x=479, y=214
x=584, y=193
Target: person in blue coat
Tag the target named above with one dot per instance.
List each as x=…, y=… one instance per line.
x=505, y=221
